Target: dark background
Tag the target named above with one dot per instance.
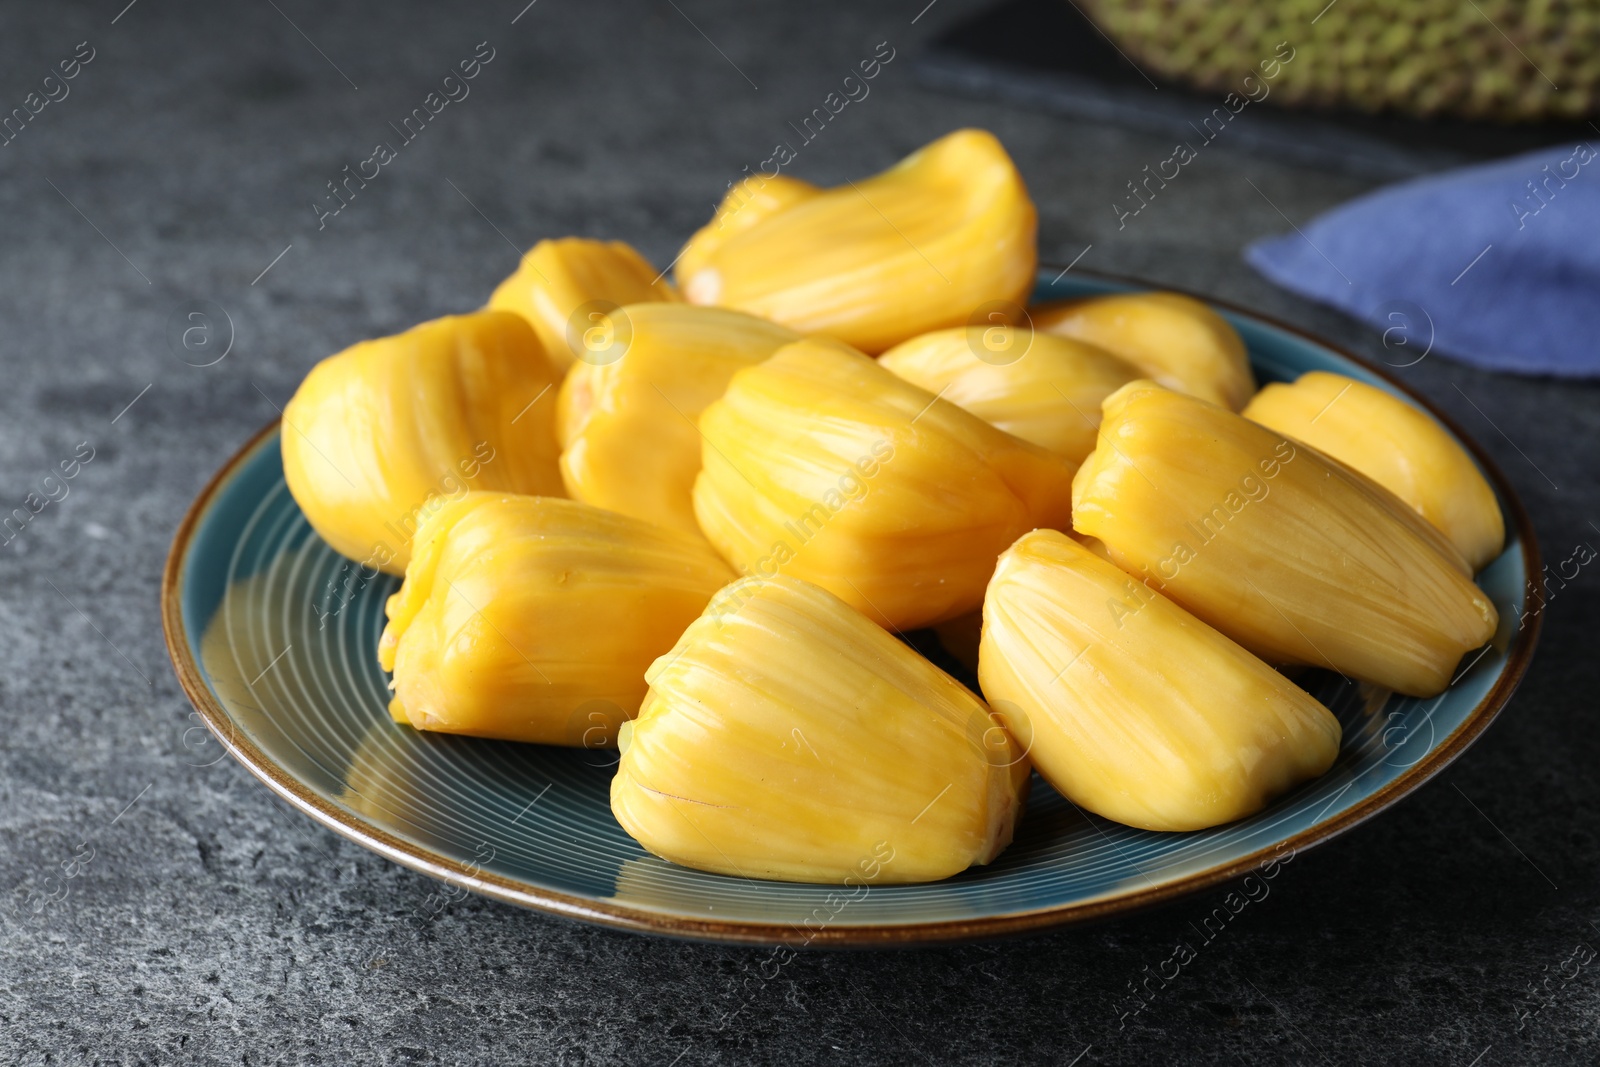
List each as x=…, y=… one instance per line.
x=216, y=926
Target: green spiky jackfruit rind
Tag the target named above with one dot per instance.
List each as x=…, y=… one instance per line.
x=1501, y=60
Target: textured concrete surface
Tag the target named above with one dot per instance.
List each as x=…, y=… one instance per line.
x=159, y=908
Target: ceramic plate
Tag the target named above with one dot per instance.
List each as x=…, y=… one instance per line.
x=273, y=635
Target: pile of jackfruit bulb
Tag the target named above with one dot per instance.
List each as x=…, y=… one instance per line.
x=692, y=521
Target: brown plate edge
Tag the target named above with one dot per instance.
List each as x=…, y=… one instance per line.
x=617, y=916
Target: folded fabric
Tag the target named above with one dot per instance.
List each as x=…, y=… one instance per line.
x=1502, y=259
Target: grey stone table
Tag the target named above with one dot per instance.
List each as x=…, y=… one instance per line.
x=214, y=925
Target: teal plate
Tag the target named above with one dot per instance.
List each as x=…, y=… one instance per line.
x=273, y=636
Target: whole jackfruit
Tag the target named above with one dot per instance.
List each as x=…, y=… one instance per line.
x=558, y=279
x=1174, y=340
x=381, y=434
x=1291, y=554
x=1395, y=444
x=628, y=426
x=1130, y=706
x=822, y=465
x=787, y=736
x=1489, y=59
x=1034, y=386
x=533, y=618
x=919, y=247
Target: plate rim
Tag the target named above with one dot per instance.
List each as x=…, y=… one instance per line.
x=621, y=916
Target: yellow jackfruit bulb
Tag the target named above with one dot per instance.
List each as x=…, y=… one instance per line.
x=747, y=204
x=534, y=618
x=1291, y=554
x=562, y=286
x=1130, y=706
x=1174, y=340
x=822, y=465
x=1395, y=444
x=787, y=736
x=628, y=423
x=378, y=436
x=922, y=246
x=1034, y=386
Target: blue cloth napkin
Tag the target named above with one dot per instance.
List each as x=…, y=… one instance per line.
x=1498, y=264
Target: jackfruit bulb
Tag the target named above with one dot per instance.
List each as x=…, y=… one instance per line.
x=1174, y=340
x=922, y=246
x=534, y=618
x=1293, y=555
x=822, y=465
x=1040, y=388
x=787, y=736
x=379, y=436
x=563, y=287
x=1395, y=444
x=1130, y=706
